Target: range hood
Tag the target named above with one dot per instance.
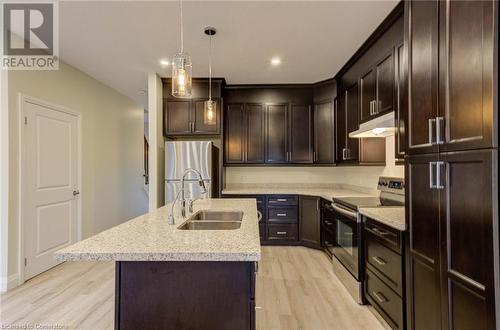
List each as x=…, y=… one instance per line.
x=382, y=127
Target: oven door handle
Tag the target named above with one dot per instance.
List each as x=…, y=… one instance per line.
x=345, y=212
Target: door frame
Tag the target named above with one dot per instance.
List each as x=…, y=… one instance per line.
x=23, y=99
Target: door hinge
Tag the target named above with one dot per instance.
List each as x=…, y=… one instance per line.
x=25, y=120
x=25, y=262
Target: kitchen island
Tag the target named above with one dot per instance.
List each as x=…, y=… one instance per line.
x=168, y=277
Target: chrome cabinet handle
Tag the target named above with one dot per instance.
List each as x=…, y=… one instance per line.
x=379, y=296
x=314, y=156
x=281, y=215
x=438, y=184
x=379, y=260
x=371, y=108
x=432, y=121
x=432, y=185
x=281, y=232
x=281, y=199
x=439, y=123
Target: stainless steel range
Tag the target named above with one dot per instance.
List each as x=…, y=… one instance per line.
x=343, y=223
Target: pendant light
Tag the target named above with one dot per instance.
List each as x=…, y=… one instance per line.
x=182, y=68
x=210, y=106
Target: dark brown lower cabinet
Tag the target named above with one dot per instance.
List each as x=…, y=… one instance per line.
x=310, y=217
x=184, y=295
x=384, y=278
x=453, y=233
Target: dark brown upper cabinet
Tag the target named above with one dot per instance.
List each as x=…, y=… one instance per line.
x=377, y=88
x=340, y=120
x=288, y=134
x=451, y=75
x=352, y=122
x=185, y=117
x=244, y=133
x=277, y=133
x=466, y=118
x=324, y=133
x=401, y=110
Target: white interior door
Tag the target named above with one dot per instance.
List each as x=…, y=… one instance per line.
x=51, y=161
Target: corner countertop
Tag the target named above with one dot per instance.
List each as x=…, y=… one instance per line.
x=327, y=192
x=150, y=238
x=391, y=216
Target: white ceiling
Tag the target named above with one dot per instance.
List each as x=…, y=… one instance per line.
x=120, y=42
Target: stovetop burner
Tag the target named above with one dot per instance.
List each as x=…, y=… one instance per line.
x=392, y=194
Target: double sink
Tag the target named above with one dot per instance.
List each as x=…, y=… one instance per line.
x=213, y=220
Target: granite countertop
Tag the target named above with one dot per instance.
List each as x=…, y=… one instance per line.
x=150, y=238
x=391, y=216
x=324, y=191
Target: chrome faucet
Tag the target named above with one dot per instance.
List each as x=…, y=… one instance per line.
x=183, y=195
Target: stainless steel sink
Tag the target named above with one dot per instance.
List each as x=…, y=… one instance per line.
x=213, y=220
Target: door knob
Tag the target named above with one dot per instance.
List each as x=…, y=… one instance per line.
x=76, y=193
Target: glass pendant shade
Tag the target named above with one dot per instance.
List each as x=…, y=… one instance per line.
x=182, y=69
x=210, y=113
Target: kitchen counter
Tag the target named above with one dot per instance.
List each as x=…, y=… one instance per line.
x=150, y=238
x=391, y=216
x=324, y=191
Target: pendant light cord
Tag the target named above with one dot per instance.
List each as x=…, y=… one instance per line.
x=182, y=29
x=210, y=67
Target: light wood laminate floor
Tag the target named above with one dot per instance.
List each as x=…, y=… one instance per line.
x=296, y=289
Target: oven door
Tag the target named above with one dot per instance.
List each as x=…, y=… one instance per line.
x=346, y=240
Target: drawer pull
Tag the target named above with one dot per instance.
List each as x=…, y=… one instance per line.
x=281, y=232
x=281, y=199
x=281, y=214
x=379, y=261
x=380, y=297
x=380, y=232
x=328, y=223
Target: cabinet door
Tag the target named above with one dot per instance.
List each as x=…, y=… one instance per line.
x=324, y=133
x=255, y=133
x=468, y=227
x=199, y=126
x=234, y=146
x=423, y=263
x=177, y=117
x=340, y=121
x=421, y=36
x=300, y=134
x=367, y=94
x=276, y=133
x=385, y=84
x=309, y=221
x=352, y=120
x=401, y=103
x=467, y=74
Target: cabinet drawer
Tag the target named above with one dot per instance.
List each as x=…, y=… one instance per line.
x=282, y=215
x=385, y=261
x=284, y=200
x=282, y=232
x=389, y=236
x=384, y=300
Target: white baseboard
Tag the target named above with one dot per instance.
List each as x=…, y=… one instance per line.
x=9, y=283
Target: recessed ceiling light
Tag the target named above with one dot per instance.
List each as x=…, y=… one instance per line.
x=275, y=61
x=164, y=62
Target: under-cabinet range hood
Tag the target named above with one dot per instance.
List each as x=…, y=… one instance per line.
x=381, y=126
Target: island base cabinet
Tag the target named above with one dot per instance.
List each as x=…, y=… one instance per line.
x=184, y=295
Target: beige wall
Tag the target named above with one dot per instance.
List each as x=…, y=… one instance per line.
x=363, y=176
x=112, y=143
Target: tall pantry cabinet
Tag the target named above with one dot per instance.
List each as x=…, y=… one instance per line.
x=452, y=167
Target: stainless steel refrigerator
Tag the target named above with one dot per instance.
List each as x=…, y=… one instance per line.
x=181, y=155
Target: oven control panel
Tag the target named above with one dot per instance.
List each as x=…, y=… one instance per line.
x=393, y=185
